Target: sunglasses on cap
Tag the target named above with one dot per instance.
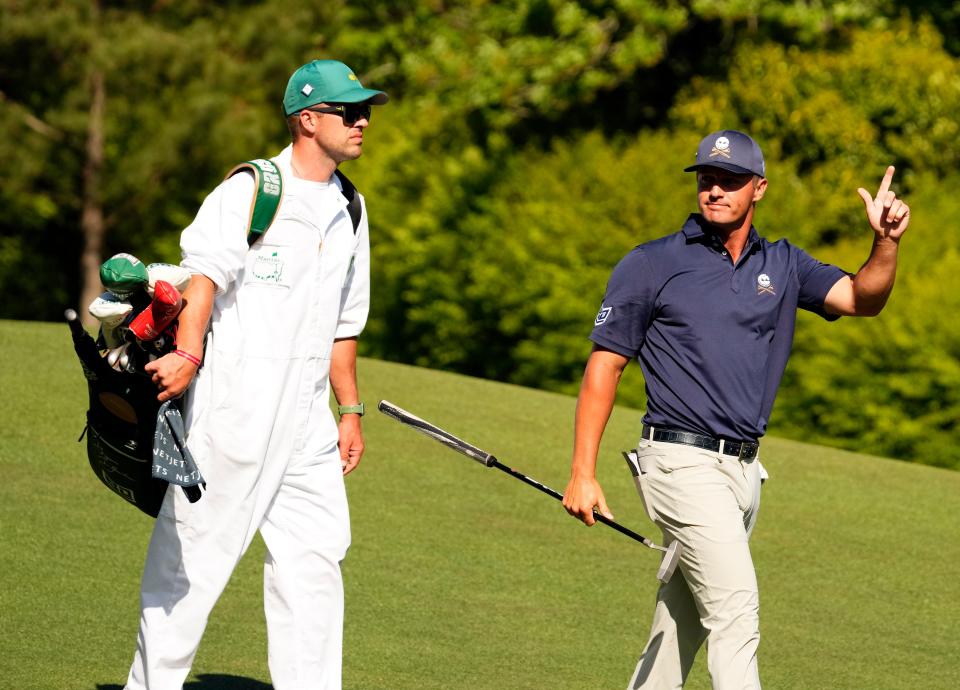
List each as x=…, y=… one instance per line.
x=350, y=112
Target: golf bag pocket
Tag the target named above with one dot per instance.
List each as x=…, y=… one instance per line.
x=121, y=456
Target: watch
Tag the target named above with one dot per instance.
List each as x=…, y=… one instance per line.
x=350, y=409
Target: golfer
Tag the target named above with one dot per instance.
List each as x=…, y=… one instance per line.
x=275, y=325
x=709, y=313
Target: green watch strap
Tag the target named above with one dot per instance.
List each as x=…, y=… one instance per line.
x=350, y=409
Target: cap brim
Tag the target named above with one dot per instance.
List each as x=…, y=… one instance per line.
x=361, y=95
x=730, y=167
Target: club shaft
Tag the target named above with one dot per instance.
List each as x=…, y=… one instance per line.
x=485, y=458
x=557, y=495
x=435, y=432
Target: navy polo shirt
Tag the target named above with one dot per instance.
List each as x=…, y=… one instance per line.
x=712, y=337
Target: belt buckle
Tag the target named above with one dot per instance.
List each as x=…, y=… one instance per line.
x=748, y=451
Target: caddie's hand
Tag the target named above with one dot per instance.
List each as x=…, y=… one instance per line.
x=582, y=495
x=351, y=442
x=887, y=214
x=172, y=374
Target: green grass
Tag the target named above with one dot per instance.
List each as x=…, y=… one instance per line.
x=460, y=577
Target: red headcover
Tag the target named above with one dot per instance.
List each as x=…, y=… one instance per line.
x=166, y=304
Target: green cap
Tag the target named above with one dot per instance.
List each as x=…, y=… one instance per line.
x=326, y=81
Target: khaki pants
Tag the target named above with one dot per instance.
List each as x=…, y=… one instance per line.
x=709, y=503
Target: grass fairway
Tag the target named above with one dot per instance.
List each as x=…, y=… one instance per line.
x=461, y=577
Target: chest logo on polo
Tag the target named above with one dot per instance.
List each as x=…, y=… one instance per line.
x=764, y=285
x=602, y=315
x=721, y=147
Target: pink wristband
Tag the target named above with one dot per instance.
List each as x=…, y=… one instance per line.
x=186, y=355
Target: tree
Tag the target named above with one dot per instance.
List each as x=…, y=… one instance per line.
x=121, y=119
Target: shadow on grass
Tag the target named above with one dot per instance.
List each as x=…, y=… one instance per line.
x=211, y=681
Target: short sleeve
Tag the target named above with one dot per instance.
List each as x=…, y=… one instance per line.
x=215, y=243
x=628, y=304
x=816, y=279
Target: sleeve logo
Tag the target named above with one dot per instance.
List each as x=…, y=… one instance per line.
x=602, y=315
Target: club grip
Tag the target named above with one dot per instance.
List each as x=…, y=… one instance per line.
x=436, y=433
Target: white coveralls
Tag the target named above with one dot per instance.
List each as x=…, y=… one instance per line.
x=260, y=428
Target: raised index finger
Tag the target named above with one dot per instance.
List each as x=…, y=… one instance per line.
x=885, y=183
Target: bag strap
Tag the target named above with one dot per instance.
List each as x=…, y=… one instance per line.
x=269, y=194
x=266, y=198
x=354, y=208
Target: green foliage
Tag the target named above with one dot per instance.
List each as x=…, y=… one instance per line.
x=527, y=147
x=490, y=66
x=882, y=97
x=525, y=270
x=891, y=384
x=189, y=94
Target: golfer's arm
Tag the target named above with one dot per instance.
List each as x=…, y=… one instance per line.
x=866, y=293
x=343, y=371
x=594, y=405
x=193, y=319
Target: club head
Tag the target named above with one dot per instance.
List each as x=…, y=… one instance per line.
x=114, y=355
x=669, y=562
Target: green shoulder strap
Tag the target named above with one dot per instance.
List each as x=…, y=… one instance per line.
x=269, y=193
x=266, y=198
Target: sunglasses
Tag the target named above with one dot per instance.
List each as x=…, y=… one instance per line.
x=350, y=112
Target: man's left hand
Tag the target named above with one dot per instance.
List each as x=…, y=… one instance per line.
x=888, y=215
x=351, y=442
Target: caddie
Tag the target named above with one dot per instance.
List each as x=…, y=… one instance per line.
x=274, y=323
x=709, y=314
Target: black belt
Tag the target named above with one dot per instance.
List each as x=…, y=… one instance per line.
x=745, y=450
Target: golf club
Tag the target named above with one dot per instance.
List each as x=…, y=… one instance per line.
x=671, y=553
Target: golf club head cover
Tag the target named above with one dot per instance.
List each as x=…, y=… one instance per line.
x=161, y=312
x=177, y=276
x=110, y=311
x=123, y=274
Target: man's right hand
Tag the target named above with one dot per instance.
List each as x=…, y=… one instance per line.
x=582, y=495
x=172, y=374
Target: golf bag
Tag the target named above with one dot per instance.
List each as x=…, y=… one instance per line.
x=120, y=425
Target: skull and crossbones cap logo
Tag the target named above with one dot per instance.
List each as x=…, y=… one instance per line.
x=731, y=150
